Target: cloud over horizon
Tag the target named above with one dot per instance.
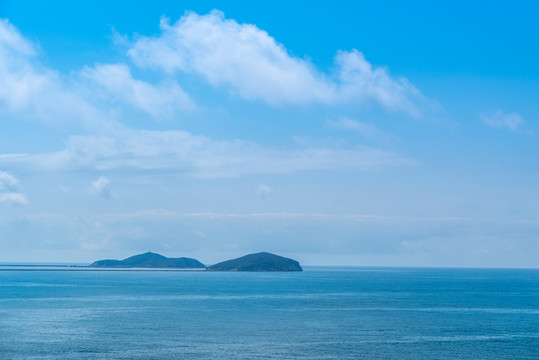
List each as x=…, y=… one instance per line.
x=244, y=141
x=429, y=241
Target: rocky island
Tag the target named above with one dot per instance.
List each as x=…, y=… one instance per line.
x=150, y=260
x=262, y=261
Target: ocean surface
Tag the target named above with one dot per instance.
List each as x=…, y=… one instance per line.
x=321, y=313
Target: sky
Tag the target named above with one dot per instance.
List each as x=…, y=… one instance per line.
x=336, y=133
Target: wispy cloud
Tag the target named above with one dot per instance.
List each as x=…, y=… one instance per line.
x=8, y=182
x=13, y=198
x=90, y=97
x=361, y=81
x=9, y=190
x=250, y=63
x=167, y=214
x=368, y=130
x=502, y=120
x=199, y=156
x=430, y=238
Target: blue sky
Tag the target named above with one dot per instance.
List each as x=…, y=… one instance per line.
x=387, y=133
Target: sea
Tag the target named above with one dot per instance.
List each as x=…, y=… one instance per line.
x=320, y=313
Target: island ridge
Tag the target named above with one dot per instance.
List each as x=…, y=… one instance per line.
x=262, y=261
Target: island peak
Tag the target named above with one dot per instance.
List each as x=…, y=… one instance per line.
x=262, y=261
x=150, y=260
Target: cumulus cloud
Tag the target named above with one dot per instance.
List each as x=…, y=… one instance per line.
x=250, y=63
x=101, y=187
x=360, y=81
x=9, y=186
x=501, y=120
x=32, y=90
x=29, y=89
x=161, y=100
x=241, y=57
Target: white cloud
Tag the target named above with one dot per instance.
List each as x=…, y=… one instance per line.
x=501, y=120
x=249, y=62
x=409, y=241
x=365, y=129
x=13, y=198
x=360, y=81
x=161, y=100
x=7, y=181
x=152, y=214
x=263, y=191
x=9, y=186
x=242, y=57
x=12, y=41
x=101, y=188
x=198, y=155
x=200, y=233
x=31, y=90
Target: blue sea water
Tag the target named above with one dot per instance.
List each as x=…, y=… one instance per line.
x=321, y=313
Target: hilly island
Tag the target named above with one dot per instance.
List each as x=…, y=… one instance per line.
x=150, y=260
x=262, y=261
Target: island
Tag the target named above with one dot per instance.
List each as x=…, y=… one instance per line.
x=258, y=262
x=150, y=260
x=262, y=261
